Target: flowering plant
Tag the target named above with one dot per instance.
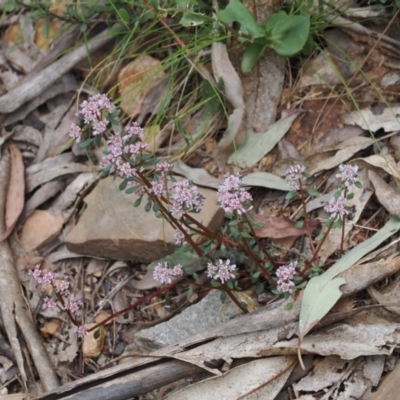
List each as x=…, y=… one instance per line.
x=231, y=258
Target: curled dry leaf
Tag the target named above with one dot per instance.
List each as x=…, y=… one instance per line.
x=93, y=343
x=378, y=161
x=136, y=80
x=332, y=157
x=281, y=227
x=16, y=191
x=257, y=379
x=388, y=196
x=375, y=118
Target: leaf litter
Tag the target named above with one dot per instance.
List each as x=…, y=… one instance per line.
x=350, y=355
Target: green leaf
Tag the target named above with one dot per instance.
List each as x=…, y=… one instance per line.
x=86, y=143
x=236, y=11
x=10, y=6
x=288, y=33
x=123, y=16
x=257, y=145
x=260, y=287
x=290, y=195
x=38, y=14
x=223, y=296
x=350, y=196
x=322, y=292
x=319, y=237
x=122, y=185
x=215, y=283
x=96, y=333
x=299, y=224
x=358, y=184
x=251, y=55
x=148, y=205
x=313, y=192
x=190, y=292
x=137, y=202
x=289, y=306
x=193, y=19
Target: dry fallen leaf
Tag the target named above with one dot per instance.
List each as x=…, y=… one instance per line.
x=50, y=328
x=16, y=191
x=281, y=227
x=93, y=342
x=136, y=80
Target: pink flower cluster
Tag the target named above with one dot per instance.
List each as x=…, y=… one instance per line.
x=285, y=275
x=62, y=286
x=179, y=237
x=232, y=196
x=185, y=198
x=293, y=174
x=348, y=174
x=337, y=207
x=162, y=273
x=160, y=181
x=122, y=154
x=222, y=271
x=94, y=112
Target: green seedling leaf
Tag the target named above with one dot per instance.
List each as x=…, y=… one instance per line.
x=10, y=6
x=251, y=55
x=313, y=192
x=148, y=205
x=288, y=33
x=290, y=195
x=46, y=28
x=322, y=292
x=189, y=293
x=191, y=18
x=257, y=145
x=123, y=16
x=137, y=202
x=299, y=224
x=123, y=184
x=319, y=237
x=236, y=11
x=96, y=333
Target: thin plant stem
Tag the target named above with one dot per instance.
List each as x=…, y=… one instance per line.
x=306, y=219
x=343, y=227
x=138, y=303
x=271, y=260
x=309, y=264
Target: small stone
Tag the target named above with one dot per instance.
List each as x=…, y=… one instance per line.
x=111, y=227
x=207, y=313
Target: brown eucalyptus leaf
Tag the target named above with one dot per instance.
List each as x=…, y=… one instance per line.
x=16, y=191
x=281, y=227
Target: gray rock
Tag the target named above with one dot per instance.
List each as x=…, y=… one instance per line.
x=111, y=227
x=207, y=313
